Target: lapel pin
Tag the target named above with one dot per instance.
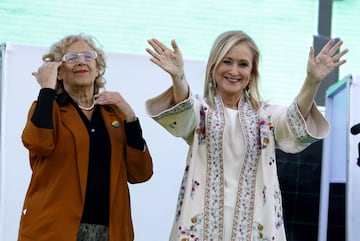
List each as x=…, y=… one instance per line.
x=115, y=123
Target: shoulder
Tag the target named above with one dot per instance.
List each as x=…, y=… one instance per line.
x=271, y=108
x=111, y=110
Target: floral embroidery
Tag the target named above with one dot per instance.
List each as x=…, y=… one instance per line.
x=297, y=124
x=181, y=194
x=279, y=221
x=192, y=233
x=244, y=210
x=201, y=132
x=195, y=184
x=272, y=161
x=258, y=232
x=266, y=128
x=264, y=195
x=214, y=189
x=173, y=125
x=182, y=107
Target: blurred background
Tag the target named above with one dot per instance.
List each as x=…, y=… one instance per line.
x=282, y=29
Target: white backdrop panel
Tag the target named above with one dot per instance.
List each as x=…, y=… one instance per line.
x=353, y=170
x=137, y=79
x=340, y=153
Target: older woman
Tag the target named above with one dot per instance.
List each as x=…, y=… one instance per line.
x=84, y=147
x=230, y=188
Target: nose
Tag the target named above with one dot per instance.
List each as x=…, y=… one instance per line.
x=234, y=70
x=81, y=59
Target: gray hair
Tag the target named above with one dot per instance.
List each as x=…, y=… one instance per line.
x=57, y=51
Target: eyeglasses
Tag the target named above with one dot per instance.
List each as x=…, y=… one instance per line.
x=72, y=57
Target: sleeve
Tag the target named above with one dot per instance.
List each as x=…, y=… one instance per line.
x=179, y=119
x=138, y=158
x=42, y=116
x=293, y=133
x=133, y=134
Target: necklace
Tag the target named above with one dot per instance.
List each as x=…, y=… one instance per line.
x=88, y=108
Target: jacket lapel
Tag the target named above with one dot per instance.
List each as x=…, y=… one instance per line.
x=115, y=128
x=114, y=125
x=72, y=120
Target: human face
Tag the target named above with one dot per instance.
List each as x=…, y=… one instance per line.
x=233, y=73
x=81, y=73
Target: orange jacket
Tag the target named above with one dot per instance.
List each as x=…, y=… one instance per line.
x=59, y=162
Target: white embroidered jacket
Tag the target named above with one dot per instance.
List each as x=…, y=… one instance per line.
x=258, y=209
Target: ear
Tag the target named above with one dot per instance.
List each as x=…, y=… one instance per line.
x=59, y=73
x=97, y=71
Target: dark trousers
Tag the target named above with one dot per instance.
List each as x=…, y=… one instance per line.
x=92, y=232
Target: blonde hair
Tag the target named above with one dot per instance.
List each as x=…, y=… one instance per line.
x=222, y=45
x=57, y=51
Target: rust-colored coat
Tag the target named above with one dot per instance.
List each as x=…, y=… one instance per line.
x=59, y=161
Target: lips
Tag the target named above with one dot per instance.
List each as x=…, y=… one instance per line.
x=233, y=80
x=81, y=71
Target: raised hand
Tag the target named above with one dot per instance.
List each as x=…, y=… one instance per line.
x=47, y=73
x=326, y=61
x=172, y=62
x=169, y=60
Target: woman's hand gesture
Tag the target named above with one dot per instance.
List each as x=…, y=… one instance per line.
x=115, y=98
x=326, y=61
x=47, y=73
x=172, y=62
x=169, y=60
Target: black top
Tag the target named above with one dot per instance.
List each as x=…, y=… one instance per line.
x=96, y=207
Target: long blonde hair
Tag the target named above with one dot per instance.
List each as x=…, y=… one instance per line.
x=57, y=51
x=222, y=45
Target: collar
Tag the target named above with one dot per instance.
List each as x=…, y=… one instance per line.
x=64, y=99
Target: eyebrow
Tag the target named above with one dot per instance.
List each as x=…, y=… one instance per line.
x=237, y=59
x=80, y=52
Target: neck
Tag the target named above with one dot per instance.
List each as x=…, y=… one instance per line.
x=83, y=99
x=231, y=106
x=230, y=101
x=88, y=108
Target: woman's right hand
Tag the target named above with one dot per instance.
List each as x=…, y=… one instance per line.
x=169, y=60
x=46, y=75
x=172, y=62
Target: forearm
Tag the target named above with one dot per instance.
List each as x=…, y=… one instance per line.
x=42, y=116
x=134, y=136
x=306, y=96
x=180, y=87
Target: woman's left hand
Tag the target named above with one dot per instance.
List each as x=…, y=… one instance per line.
x=110, y=97
x=326, y=61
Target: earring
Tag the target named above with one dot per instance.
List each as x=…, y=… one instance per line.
x=211, y=84
x=247, y=91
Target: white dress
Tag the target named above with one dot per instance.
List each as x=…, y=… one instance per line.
x=233, y=156
x=230, y=188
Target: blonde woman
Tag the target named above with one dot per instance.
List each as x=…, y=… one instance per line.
x=230, y=189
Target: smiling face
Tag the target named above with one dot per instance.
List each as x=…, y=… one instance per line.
x=232, y=75
x=80, y=74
